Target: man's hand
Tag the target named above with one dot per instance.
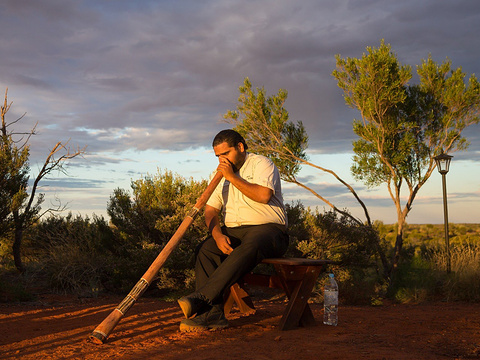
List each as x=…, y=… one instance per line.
x=224, y=244
x=255, y=192
x=226, y=168
x=213, y=222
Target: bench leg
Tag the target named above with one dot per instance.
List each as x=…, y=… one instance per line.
x=298, y=284
x=297, y=281
x=237, y=295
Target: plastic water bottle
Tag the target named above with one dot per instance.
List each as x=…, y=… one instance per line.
x=330, y=302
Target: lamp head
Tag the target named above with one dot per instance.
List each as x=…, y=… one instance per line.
x=443, y=162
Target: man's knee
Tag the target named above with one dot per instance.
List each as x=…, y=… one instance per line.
x=271, y=243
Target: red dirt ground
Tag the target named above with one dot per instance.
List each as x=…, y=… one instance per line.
x=58, y=328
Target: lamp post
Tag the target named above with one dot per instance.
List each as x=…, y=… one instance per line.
x=443, y=165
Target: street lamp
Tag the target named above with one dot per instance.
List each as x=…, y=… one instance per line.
x=443, y=165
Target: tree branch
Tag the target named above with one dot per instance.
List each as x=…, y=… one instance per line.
x=52, y=164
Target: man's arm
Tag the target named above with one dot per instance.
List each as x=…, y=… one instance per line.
x=213, y=223
x=255, y=192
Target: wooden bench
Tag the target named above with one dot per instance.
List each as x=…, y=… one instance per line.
x=296, y=276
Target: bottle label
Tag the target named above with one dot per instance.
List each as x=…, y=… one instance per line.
x=330, y=297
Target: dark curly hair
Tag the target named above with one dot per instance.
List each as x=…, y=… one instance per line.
x=231, y=137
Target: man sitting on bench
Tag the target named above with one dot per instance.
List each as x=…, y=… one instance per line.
x=250, y=198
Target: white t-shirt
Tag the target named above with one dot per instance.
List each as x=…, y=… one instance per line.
x=238, y=209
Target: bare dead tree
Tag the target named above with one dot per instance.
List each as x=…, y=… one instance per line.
x=23, y=204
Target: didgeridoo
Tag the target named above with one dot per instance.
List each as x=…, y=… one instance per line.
x=100, y=334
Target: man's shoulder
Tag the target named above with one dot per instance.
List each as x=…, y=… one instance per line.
x=259, y=164
x=258, y=158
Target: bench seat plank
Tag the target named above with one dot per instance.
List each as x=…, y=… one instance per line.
x=297, y=261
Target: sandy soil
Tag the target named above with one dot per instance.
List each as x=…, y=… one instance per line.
x=58, y=328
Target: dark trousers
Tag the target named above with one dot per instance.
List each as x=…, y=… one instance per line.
x=216, y=271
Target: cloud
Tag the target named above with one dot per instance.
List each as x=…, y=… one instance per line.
x=174, y=68
x=158, y=75
x=66, y=183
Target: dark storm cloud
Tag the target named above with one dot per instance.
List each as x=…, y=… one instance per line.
x=159, y=75
x=56, y=184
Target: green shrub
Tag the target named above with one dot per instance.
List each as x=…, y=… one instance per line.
x=416, y=279
x=156, y=208
x=14, y=287
x=464, y=281
x=151, y=216
x=72, y=269
x=337, y=237
x=73, y=253
x=422, y=276
x=86, y=256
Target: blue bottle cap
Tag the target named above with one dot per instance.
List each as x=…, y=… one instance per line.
x=331, y=275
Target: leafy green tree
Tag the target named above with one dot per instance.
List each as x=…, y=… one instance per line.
x=13, y=176
x=20, y=204
x=264, y=123
x=403, y=127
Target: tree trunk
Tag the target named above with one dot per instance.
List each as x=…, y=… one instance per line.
x=397, y=250
x=17, y=246
x=383, y=257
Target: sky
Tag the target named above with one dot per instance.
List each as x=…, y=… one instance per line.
x=144, y=84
